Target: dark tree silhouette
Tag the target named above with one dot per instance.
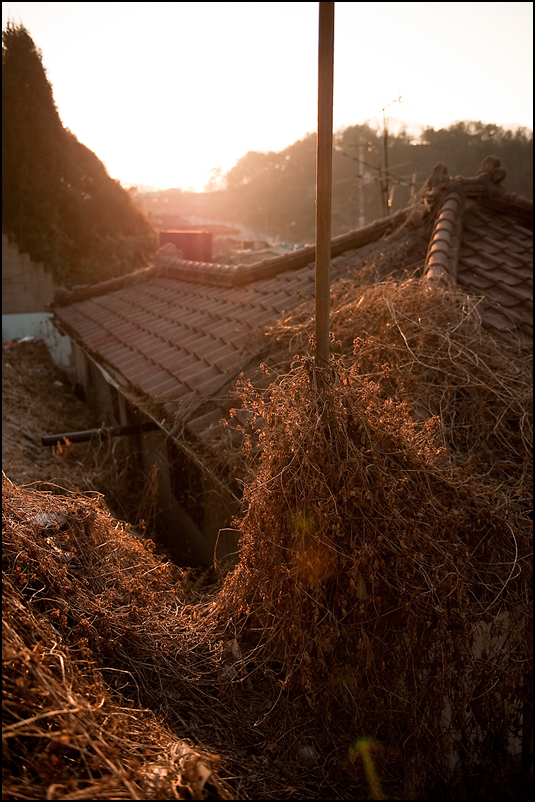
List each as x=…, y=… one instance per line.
x=58, y=201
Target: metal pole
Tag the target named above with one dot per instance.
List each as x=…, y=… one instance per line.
x=324, y=153
x=100, y=434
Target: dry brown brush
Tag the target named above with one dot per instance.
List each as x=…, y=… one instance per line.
x=427, y=347
x=385, y=557
x=89, y=616
x=383, y=589
x=119, y=682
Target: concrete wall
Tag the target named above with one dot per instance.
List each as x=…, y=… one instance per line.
x=40, y=326
x=26, y=286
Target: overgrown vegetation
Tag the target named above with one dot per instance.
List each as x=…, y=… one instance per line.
x=383, y=590
x=429, y=351
x=76, y=591
x=59, y=203
x=385, y=560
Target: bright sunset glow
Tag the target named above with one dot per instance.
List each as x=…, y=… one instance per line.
x=163, y=93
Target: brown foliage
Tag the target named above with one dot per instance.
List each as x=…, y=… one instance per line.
x=383, y=590
x=427, y=348
x=78, y=595
x=385, y=557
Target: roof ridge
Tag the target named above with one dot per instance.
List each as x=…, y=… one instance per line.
x=485, y=188
x=220, y=275
x=441, y=194
x=234, y=275
x=448, y=195
x=443, y=252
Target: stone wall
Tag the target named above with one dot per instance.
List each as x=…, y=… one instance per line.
x=26, y=286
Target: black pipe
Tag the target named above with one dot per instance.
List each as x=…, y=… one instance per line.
x=102, y=434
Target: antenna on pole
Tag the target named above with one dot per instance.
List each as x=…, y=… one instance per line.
x=324, y=156
x=384, y=187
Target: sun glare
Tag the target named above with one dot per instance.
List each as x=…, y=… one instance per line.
x=181, y=88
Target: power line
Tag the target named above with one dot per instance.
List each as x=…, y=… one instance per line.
x=384, y=176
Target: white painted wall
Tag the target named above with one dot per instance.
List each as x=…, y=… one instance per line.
x=40, y=326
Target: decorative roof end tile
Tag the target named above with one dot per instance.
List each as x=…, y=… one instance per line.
x=443, y=252
x=491, y=166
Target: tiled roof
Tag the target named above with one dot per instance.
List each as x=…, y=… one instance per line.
x=179, y=333
x=180, y=329
x=170, y=337
x=483, y=241
x=496, y=261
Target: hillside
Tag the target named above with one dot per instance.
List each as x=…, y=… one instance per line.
x=273, y=194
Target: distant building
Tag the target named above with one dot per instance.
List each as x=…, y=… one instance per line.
x=195, y=246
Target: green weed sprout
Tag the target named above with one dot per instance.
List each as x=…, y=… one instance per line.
x=364, y=747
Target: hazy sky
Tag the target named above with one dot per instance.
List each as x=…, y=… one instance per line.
x=164, y=92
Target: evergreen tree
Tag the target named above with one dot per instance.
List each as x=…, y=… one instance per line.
x=58, y=201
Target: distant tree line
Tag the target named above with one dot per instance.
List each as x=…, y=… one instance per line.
x=58, y=202
x=274, y=193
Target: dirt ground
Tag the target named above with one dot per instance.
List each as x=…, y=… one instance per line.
x=38, y=398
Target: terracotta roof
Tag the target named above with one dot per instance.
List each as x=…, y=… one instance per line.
x=483, y=241
x=170, y=337
x=180, y=329
x=496, y=261
x=179, y=333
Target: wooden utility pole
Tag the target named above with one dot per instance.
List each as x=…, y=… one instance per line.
x=324, y=171
x=385, y=136
x=361, y=183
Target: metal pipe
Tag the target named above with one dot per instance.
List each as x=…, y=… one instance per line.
x=324, y=154
x=102, y=434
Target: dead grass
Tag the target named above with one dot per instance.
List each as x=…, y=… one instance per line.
x=385, y=558
x=428, y=349
x=117, y=683
x=37, y=399
x=75, y=591
x=380, y=589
